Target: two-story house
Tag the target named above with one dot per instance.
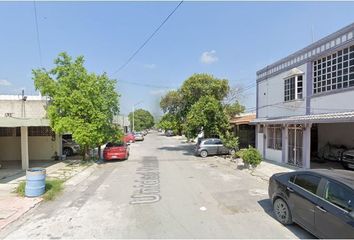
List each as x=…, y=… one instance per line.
x=305, y=101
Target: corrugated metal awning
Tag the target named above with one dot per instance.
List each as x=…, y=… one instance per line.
x=313, y=118
x=23, y=122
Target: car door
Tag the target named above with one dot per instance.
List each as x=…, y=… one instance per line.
x=333, y=217
x=303, y=199
x=211, y=147
x=221, y=148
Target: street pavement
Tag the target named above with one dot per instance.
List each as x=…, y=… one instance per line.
x=161, y=191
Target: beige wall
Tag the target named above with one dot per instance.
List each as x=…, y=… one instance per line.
x=33, y=108
x=336, y=133
x=10, y=148
x=39, y=148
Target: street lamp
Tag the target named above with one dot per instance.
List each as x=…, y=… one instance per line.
x=134, y=113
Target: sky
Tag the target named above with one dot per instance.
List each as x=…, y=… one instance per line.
x=229, y=40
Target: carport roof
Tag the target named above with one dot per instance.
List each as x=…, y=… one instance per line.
x=23, y=122
x=312, y=118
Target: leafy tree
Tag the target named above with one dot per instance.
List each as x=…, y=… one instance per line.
x=171, y=102
x=169, y=122
x=200, y=85
x=233, y=109
x=81, y=103
x=208, y=115
x=143, y=119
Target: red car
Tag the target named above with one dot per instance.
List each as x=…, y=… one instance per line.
x=129, y=138
x=116, y=151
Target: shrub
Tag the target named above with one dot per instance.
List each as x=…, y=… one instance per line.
x=251, y=156
x=230, y=141
x=239, y=154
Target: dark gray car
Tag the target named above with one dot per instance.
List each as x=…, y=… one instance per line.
x=211, y=146
x=321, y=201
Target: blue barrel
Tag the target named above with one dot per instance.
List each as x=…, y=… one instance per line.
x=35, y=182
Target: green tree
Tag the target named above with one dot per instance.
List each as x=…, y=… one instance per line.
x=208, y=115
x=80, y=102
x=169, y=122
x=143, y=119
x=200, y=85
x=233, y=109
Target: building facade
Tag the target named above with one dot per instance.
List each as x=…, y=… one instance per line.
x=25, y=132
x=305, y=102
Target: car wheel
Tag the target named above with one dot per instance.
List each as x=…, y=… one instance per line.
x=232, y=151
x=68, y=151
x=203, y=153
x=282, y=211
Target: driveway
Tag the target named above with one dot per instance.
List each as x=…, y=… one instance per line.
x=162, y=191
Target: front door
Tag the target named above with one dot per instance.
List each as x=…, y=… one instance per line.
x=295, y=134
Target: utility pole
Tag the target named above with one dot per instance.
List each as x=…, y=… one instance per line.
x=134, y=114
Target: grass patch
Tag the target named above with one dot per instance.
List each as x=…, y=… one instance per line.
x=52, y=188
x=20, y=190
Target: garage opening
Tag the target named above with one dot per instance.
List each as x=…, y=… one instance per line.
x=329, y=142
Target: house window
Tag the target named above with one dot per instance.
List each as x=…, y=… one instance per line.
x=274, y=137
x=293, y=88
x=9, y=132
x=334, y=71
x=39, y=131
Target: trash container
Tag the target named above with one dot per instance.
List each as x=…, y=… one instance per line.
x=35, y=182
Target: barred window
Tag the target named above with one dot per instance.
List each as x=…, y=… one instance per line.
x=335, y=71
x=274, y=136
x=9, y=132
x=39, y=131
x=293, y=88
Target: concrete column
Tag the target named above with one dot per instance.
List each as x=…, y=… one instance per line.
x=306, y=147
x=24, y=148
x=256, y=132
x=285, y=143
x=58, y=145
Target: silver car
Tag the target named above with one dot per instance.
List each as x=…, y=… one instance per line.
x=70, y=147
x=139, y=136
x=211, y=146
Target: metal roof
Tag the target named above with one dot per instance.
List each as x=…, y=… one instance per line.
x=313, y=118
x=23, y=122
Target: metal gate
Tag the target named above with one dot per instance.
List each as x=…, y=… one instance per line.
x=295, y=139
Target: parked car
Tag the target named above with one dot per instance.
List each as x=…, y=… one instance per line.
x=139, y=136
x=348, y=159
x=144, y=132
x=169, y=133
x=211, y=146
x=129, y=138
x=116, y=151
x=321, y=201
x=70, y=147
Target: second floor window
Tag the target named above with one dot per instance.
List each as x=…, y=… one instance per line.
x=293, y=88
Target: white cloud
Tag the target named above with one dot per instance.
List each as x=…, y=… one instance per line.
x=4, y=82
x=150, y=66
x=209, y=57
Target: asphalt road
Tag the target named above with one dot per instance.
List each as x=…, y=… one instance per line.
x=161, y=191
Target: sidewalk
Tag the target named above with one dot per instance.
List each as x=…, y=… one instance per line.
x=13, y=207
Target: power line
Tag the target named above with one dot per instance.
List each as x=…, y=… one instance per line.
x=147, y=40
x=37, y=32
x=144, y=85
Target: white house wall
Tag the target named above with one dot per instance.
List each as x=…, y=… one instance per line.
x=274, y=155
x=339, y=102
x=271, y=97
